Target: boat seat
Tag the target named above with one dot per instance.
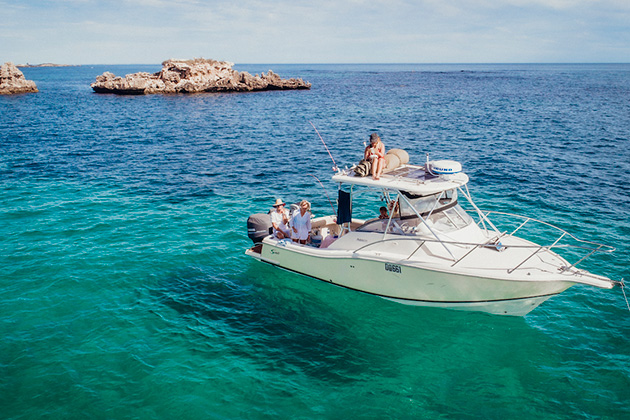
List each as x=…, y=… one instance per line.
x=334, y=230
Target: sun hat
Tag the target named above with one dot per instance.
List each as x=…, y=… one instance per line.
x=279, y=202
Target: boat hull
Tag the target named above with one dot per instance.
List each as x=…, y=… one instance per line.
x=408, y=282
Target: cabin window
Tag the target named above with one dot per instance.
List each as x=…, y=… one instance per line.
x=450, y=219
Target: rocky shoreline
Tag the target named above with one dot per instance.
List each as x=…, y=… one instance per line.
x=193, y=76
x=12, y=81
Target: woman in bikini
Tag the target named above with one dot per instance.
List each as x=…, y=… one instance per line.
x=375, y=153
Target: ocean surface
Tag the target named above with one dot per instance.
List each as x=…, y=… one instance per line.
x=125, y=292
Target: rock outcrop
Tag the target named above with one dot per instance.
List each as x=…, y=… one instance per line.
x=13, y=81
x=193, y=76
x=44, y=65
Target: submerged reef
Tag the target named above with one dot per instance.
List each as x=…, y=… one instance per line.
x=193, y=76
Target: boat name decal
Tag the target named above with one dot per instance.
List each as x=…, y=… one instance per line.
x=394, y=268
x=273, y=251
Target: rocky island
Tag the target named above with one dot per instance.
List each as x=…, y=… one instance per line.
x=44, y=65
x=193, y=76
x=12, y=81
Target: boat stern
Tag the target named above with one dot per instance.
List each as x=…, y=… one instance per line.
x=255, y=251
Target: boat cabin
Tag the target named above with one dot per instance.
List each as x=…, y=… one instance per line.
x=418, y=199
x=409, y=212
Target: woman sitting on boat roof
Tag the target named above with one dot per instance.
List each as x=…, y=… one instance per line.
x=375, y=153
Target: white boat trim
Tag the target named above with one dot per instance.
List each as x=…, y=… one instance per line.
x=516, y=306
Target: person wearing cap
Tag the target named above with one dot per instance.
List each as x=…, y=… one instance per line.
x=301, y=223
x=375, y=153
x=280, y=220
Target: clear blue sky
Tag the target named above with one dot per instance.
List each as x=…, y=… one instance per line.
x=315, y=31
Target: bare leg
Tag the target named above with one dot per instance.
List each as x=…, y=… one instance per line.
x=379, y=168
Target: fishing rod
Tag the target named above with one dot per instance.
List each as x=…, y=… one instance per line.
x=325, y=192
x=335, y=168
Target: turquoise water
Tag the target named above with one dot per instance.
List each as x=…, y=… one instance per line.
x=125, y=292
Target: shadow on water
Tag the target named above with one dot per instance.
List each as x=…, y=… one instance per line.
x=455, y=361
x=275, y=332
x=288, y=323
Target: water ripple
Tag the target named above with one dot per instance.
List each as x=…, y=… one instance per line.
x=125, y=292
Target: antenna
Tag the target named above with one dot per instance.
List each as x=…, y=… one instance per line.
x=428, y=167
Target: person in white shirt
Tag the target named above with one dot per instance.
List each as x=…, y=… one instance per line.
x=280, y=220
x=301, y=223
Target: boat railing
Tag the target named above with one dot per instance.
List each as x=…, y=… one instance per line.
x=589, y=247
x=493, y=243
x=580, y=245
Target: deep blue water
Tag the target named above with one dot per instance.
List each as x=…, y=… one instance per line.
x=125, y=292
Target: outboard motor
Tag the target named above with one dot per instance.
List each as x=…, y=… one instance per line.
x=259, y=226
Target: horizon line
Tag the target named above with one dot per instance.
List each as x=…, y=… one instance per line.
x=51, y=64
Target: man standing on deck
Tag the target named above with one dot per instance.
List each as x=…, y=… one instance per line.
x=280, y=220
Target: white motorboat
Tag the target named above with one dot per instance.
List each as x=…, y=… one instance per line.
x=430, y=251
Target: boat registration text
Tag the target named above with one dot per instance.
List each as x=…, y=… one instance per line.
x=394, y=268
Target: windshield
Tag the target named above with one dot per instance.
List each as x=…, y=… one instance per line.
x=441, y=212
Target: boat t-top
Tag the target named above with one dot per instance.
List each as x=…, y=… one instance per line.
x=429, y=250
